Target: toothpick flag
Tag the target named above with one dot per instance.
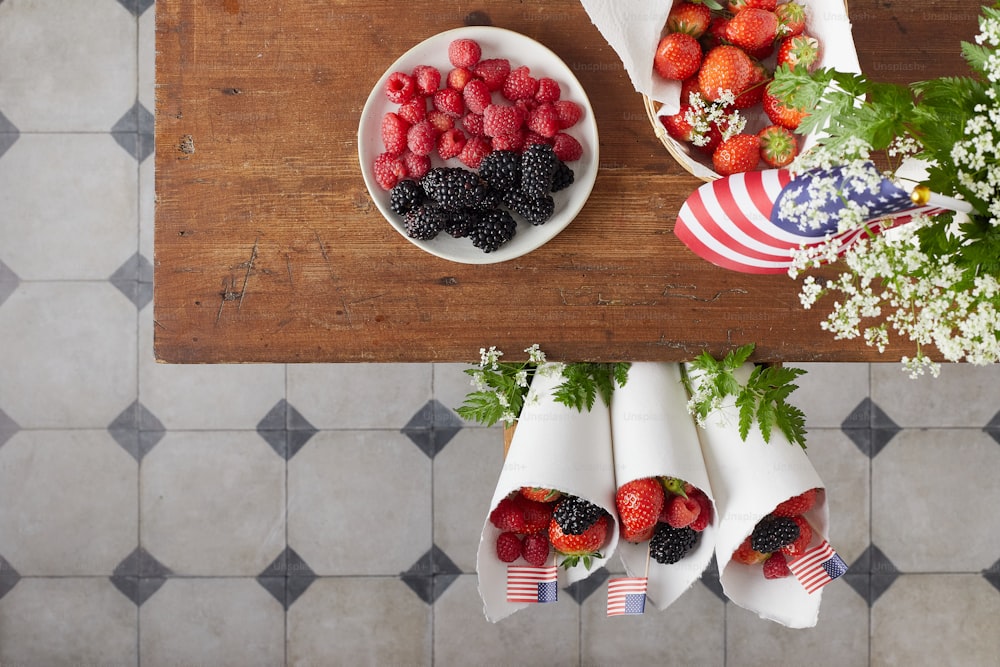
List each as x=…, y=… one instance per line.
x=627, y=596
x=532, y=584
x=755, y=221
x=817, y=567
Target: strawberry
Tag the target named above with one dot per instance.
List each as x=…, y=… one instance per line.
x=394, y=131
x=566, y=147
x=399, y=87
x=680, y=512
x=736, y=6
x=500, y=120
x=508, y=547
x=678, y=126
x=459, y=77
x=536, y=514
x=507, y=516
x=520, y=85
x=799, y=51
x=716, y=33
x=776, y=567
x=569, y=113
x=639, y=505
x=796, y=505
x=475, y=149
x=746, y=555
x=450, y=143
x=476, y=96
x=535, y=549
x=704, y=513
x=584, y=547
x=752, y=29
x=799, y=546
x=690, y=18
x=493, y=71
x=778, y=146
x=548, y=90
x=426, y=78
x=421, y=138
x=725, y=68
x=754, y=93
x=737, y=154
x=413, y=111
x=544, y=120
x=541, y=494
x=678, y=56
x=449, y=101
x=464, y=53
x=780, y=113
x=388, y=170
x=791, y=19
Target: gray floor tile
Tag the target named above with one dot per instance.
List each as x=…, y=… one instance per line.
x=828, y=393
x=963, y=396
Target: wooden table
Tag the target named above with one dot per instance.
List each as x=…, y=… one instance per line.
x=268, y=247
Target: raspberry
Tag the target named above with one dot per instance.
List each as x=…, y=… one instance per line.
x=473, y=124
x=476, y=96
x=544, y=120
x=421, y=138
x=680, y=512
x=500, y=120
x=493, y=71
x=533, y=138
x=394, y=131
x=570, y=113
x=745, y=554
x=416, y=165
x=399, y=88
x=776, y=567
x=799, y=546
x=507, y=516
x=442, y=122
x=450, y=143
x=705, y=515
x=508, y=547
x=449, y=101
x=800, y=504
x=464, y=52
x=535, y=549
x=459, y=77
x=389, y=170
x=548, y=90
x=567, y=148
x=537, y=514
x=509, y=142
x=427, y=79
x=520, y=85
x=413, y=111
x=476, y=148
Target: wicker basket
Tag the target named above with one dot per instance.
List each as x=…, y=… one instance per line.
x=677, y=150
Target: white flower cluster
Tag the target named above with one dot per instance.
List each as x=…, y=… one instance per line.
x=703, y=116
x=823, y=199
x=978, y=158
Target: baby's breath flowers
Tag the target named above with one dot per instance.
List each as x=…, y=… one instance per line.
x=501, y=388
x=704, y=117
x=932, y=281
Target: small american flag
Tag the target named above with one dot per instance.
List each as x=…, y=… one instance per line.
x=627, y=595
x=733, y=222
x=526, y=583
x=817, y=567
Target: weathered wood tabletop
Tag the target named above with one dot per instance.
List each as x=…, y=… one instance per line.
x=268, y=247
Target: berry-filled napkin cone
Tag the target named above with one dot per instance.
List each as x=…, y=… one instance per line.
x=653, y=436
x=556, y=447
x=749, y=479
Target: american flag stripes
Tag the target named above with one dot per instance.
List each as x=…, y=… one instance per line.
x=731, y=223
x=627, y=595
x=817, y=567
x=526, y=583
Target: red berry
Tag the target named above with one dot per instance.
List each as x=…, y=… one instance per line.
x=459, y=78
x=548, y=90
x=737, y=154
x=566, y=147
x=394, y=131
x=754, y=93
x=464, y=53
x=724, y=68
x=705, y=512
x=716, y=33
x=441, y=121
x=778, y=146
x=776, y=567
x=531, y=138
x=500, y=120
x=508, y=547
x=799, y=51
x=544, y=120
x=507, y=516
x=509, y=142
x=690, y=18
x=427, y=79
x=677, y=125
x=537, y=514
x=680, y=512
x=399, y=87
x=473, y=124
x=752, y=29
x=450, y=143
x=413, y=111
x=569, y=113
x=417, y=166
x=746, y=555
x=796, y=505
x=541, y=494
x=476, y=96
x=421, y=138
x=799, y=546
x=388, y=170
x=639, y=504
x=449, y=101
x=493, y=71
x=736, y=6
x=780, y=113
x=535, y=549
x=520, y=85
x=476, y=148
x=678, y=56
x=791, y=18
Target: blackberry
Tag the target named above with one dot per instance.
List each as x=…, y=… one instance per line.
x=406, y=196
x=536, y=210
x=424, y=222
x=460, y=223
x=502, y=170
x=668, y=544
x=492, y=198
x=493, y=229
x=538, y=166
x=454, y=188
x=563, y=178
x=772, y=533
x=575, y=515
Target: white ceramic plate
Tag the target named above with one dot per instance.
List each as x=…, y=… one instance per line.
x=520, y=50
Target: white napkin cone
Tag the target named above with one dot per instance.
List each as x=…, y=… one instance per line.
x=555, y=447
x=749, y=479
x=655, y=436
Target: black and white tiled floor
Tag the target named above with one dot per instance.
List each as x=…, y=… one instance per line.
x=268, y=515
